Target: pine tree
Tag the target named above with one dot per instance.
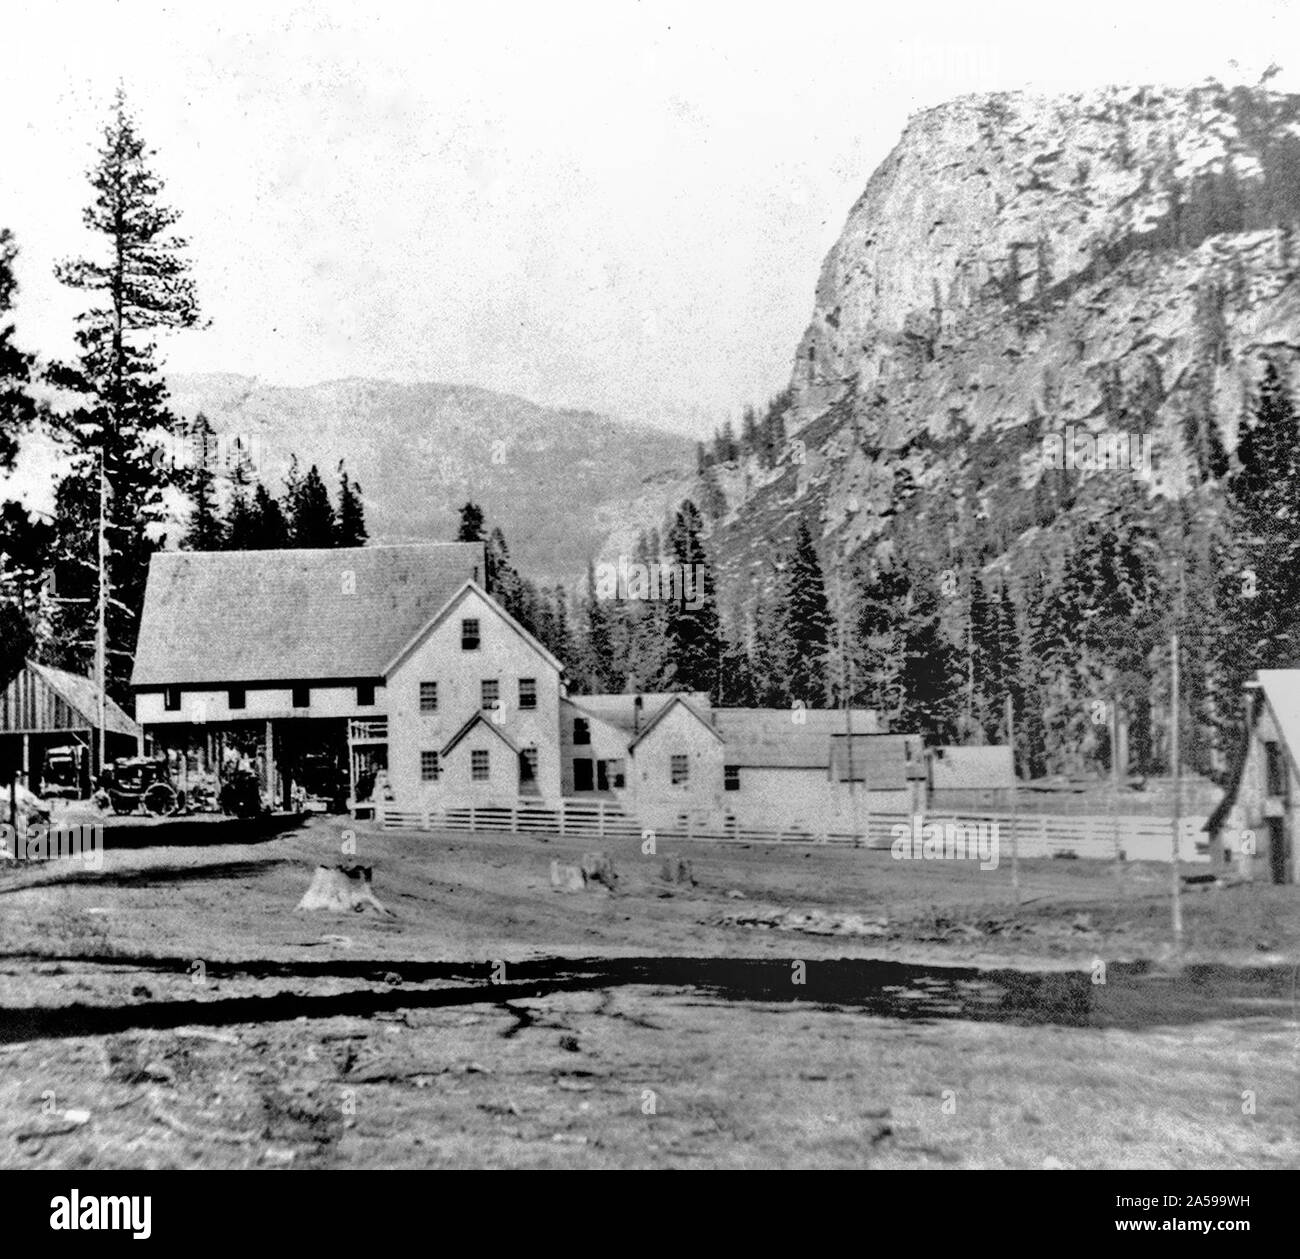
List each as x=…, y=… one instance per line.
x=351, y=513
x=23, y=540
x=18, y=409
x=241, y=520
x=471, y=524
x=693, y=633
x=805, y=623
x=270, y=529
x=141, y=287
x=206, y=531
x=311, y=516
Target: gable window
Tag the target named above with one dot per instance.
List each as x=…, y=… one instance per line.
x=679, y=769
x=581, y=731
x=527, y=692
x=428, y=697
x=365, y=694
x=731, y=778
x=302, y=696
x=478, y=765
x=430, y=767
x=236, y=697
x=469, y=636
x=491, y=694
x=172, y=699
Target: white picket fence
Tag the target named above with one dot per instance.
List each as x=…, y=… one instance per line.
x=1094, y=836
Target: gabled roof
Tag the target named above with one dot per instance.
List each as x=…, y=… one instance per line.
x=262, y=616
x=970, y=768
x=1280, y=690
x=621, y=711
x=448, y=608
x=773, y=738
x=79, y=694
x=478, y=720
x=677, y=701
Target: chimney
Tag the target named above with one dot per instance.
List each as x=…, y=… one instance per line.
x=637, y=704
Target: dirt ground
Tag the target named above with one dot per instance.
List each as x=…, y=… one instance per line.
x=793, y=1007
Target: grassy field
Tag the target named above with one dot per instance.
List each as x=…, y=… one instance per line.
x=794, y=1007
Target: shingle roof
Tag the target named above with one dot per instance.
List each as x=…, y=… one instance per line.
x=620, y=711
x=677, y=701
x=772, y=737
x=262, y=616
x=964, y=768
x=879, y=760
x=83, y=695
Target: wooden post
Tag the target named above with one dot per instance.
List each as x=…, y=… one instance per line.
x=1114, y=791
x=27, y=762
x=1175, y=882
x=270, y=764
x=1015, y=810
x=13, y=809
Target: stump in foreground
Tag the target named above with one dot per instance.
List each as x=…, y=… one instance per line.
x=342, y=890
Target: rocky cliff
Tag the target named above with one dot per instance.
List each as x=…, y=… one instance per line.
x=1119, y=261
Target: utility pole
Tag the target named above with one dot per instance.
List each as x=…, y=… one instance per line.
x=101, y=615
x=1175, y=758
x=846, y=681
x=1114, y=789
x=1015, y=812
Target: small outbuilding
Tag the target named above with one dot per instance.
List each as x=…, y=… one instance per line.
x=49, y=724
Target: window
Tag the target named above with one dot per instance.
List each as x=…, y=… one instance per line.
x=602, y=775
x=680, y=769
x=491, y=694
x=172, y=699
x=428, y=697
x=581, y=731
x=302, y=696
x=469, y=638
x=478, y=765
x=365, y=694
x=731, y=778
x=527, y=692
x=617, y=774
x=236, y=697
x=1274, y=769
x=528, y=770
x=430, y=767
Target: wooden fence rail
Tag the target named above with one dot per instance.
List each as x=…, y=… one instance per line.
x=1097, y=836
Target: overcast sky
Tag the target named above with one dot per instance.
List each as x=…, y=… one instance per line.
x=612, y=205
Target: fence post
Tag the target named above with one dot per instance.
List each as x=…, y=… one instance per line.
x=600, y=818
x=424, y=819
x=563, y=806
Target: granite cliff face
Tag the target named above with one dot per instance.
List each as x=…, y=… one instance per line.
x=1121, y=261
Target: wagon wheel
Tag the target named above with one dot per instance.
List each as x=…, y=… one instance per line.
x=160, y=800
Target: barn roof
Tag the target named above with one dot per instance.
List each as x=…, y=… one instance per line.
x=968, y=768
x=772, y=738
x=266, y=616
x=76, y=706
